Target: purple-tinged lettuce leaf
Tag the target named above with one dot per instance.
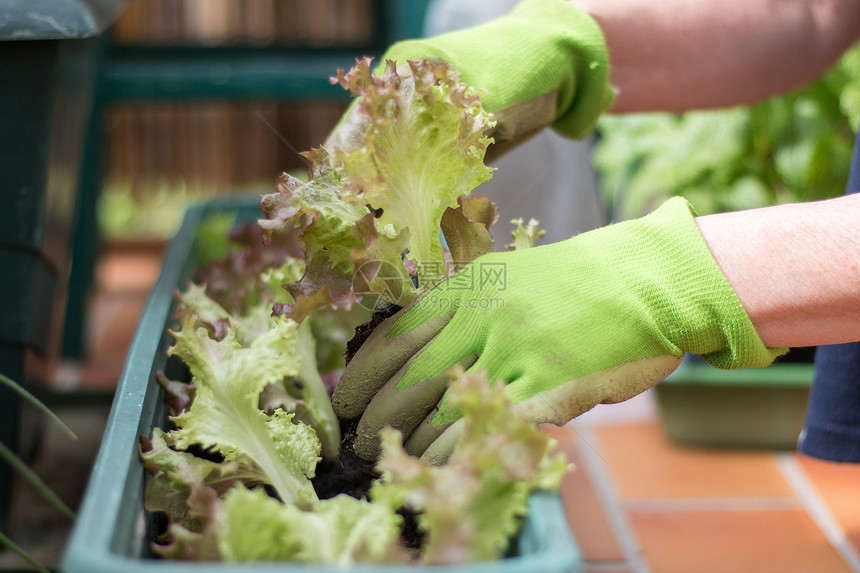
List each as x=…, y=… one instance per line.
x=179, y=542
x=321, y=286
x=178, y=395
x=319, y=210
x=235, y=281
x=344, y=245
x=467, y=229
x=363, y=209
x=423, y=147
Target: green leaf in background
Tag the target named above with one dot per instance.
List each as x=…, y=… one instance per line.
x=213, y=237
x=796, y=147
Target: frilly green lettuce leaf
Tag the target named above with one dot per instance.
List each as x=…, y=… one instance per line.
x=471, y=506
x=320, y=210
x=366, y=208
x=309, y=395
x=309, y=387
x=339, y=531
x=423, y=148
x=225, y=413
x=176, y=472
x=525, y=236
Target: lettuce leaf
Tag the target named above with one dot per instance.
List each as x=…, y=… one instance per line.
x=322, y=213
x=179, y=542
x=370, y=214
x=248, y=526
x=306, y=394
x=175, y=473
x=373, y=221
x=233, y=273
x=467, y=229
x=525, y=236
x=424, y=148
x=469, y=508
x=225, y=414
x=339, y=531
x=472, y=506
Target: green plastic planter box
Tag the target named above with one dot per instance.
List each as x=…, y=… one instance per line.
x=112, y=532
x=746, y=408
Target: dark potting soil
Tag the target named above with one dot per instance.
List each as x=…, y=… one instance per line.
x=353, y=476
x=363, y=331
x=349, y=473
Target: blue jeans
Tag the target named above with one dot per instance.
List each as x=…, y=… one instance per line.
x=832, y=429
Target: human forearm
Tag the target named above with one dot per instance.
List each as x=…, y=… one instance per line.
x=795, y=268
x=678, y=55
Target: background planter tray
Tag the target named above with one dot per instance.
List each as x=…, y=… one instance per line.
x=112, y=532
x=748, y=408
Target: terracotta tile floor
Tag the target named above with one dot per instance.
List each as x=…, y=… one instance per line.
x=644, y=503
x=636, y=501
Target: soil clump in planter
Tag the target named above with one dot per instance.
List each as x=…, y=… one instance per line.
x=363, y=331
x=349, y=473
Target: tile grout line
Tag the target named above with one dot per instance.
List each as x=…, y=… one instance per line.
x=615, y=514
x=817, y=509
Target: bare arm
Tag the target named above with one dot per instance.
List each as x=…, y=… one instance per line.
x=677, y=55
x=795, y=268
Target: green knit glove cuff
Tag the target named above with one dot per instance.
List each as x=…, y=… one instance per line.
x=544, y=63
x=705, y=315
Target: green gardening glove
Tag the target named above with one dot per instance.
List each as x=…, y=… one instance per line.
x=594, y=319
x=543, y=64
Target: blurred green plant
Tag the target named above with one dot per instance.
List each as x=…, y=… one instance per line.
x=796, y=147
x=152, y=209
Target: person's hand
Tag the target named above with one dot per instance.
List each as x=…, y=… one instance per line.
x=543, y=64
x=597, y=318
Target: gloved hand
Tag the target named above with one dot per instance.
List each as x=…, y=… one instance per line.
x=545, y=63
x=597, y=318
